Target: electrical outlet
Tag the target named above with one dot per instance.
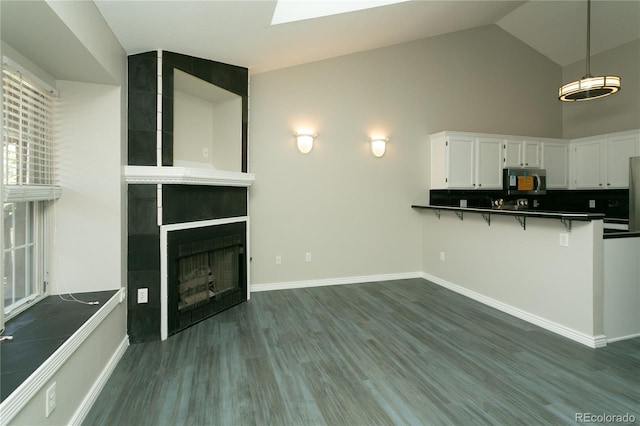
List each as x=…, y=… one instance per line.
x=308, y=257
x=592, y=204
x=143, y=295
x=564, y=239
x=278, y=260
x=463, y=203
x=50, y=403
x=205, y=152
x=442, y=256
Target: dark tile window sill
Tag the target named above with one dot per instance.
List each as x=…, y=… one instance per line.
x=39, y=331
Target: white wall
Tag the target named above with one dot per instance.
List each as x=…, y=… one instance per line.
x=87, y=241
x=350, y=210
x=526, y=270
x=85, y=21
x=621, y=288
x=217, y=126
x=192, y=128
x=90, y=251
x=226, y=151
x=615, y=113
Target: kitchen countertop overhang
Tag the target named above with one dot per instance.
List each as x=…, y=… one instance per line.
x=565, y=217
x=585, y=217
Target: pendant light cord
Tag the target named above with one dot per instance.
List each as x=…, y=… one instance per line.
x=588, y=74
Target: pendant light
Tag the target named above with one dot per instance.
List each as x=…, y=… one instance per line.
x=589, y=87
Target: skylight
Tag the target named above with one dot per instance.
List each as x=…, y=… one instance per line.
x=298, y=10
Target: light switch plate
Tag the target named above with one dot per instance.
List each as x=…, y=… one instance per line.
x=564, y=239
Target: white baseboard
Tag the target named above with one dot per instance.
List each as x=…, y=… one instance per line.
x=617, y=339
x=577, y=336
x=334, y=281
x=92, y=395
x=585, y=339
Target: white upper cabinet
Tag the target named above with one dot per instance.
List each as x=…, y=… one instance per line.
x=603, y=161
x=588, y=162
x=555, y=160
x=465, y=161
x=462, y=160
x=619, y=149
x=488, y=163
x=532, y=153
x=513, y=153
x=522, y=153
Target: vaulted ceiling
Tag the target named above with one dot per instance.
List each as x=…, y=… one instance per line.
x=240, y=32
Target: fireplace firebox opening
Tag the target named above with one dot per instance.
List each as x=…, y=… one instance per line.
x=206, y=272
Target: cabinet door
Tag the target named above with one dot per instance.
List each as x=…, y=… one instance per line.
x=532, y=156
x=488, y=163
x=588, y=164
x=619, y=150
x=460, y=161
x=513, y=154
x=555, y=161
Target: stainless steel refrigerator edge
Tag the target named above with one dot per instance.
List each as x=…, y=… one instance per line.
x=634, y=194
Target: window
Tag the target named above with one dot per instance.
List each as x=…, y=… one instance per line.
x=28, y=186
x=21, y=255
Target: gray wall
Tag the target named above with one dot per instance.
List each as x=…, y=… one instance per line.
x=348, y=208
x=612, y=114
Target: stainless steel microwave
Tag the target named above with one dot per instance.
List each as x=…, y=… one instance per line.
x=519, y=181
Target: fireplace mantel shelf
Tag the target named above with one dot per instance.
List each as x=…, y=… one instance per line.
x=186, y=176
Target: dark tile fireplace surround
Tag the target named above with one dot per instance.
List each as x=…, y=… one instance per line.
x=180, y=204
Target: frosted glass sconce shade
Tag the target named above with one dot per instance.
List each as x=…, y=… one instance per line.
x=378, y=145
x=304, y=140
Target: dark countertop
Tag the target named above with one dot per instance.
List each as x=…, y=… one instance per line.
x=617, y=220
x=585, y=217
x=565, y=216
x=620, y=233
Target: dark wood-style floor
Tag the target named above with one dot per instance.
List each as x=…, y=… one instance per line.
x=399, y=352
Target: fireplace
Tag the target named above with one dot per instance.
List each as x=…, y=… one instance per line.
x=187, y=196
x=206, y=271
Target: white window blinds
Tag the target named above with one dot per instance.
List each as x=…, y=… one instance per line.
x=28, y=157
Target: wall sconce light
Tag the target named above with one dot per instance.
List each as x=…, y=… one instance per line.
x=378, y=145
x=305, y=138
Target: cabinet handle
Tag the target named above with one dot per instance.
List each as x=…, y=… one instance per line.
x=599, y=184
x=608, y=184
x=526, y=164
x=479, y=184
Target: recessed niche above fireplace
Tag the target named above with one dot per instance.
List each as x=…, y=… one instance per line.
x=207, y=125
